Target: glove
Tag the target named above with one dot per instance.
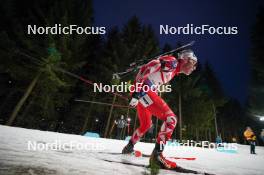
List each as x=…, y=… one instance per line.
x=133, y=102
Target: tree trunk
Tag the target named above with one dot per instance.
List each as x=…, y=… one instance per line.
x=157, y=120
x=197, y=134
x=84, y=128
x=135, y=123
x=180, y=115
x=157, y=125
x=25, y=111
x=127, y=119
x=210, y=136
x=23, y=100
x=216, y=128
x=205, y=133
x=112, y=128
x=109, y=117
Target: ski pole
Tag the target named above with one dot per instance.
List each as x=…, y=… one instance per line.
x=102, y=103
x=41, y=61
x=86, y=81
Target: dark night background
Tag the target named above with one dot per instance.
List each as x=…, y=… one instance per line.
x=228, y=54
x=41, y=76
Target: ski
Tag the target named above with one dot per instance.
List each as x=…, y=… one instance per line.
x=137, y=153
x=174, y=157
x=126, y=163
x=183, y=158
x=177, y=169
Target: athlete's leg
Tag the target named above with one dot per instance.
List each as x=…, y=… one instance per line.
x=144, y=117
x=160, y=109
x=145, y=123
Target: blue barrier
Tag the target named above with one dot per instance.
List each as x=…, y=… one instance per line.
x=127, y=138
x=173, y=143
x=92, y=134
x=225, y=150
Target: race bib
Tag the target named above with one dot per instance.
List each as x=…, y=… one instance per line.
x=145, y=100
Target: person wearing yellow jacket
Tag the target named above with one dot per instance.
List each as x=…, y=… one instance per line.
x=251, y=138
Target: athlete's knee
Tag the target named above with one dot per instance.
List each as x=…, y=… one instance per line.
x=171, y=121
x=169, y=113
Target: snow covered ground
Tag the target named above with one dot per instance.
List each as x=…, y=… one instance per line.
x=78, y=155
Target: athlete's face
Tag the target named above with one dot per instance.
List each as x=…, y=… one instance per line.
x=188, y=66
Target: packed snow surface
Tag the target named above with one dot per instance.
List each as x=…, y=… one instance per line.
x=34, y=152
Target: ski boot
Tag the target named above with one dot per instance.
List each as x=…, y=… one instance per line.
x=158, y=160
x=129, y=148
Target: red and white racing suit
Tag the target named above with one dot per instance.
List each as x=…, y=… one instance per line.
x=151, y=104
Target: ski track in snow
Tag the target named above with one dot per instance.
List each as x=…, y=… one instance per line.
x=16, y=158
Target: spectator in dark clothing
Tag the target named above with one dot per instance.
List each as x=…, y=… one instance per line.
x=121, y=123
